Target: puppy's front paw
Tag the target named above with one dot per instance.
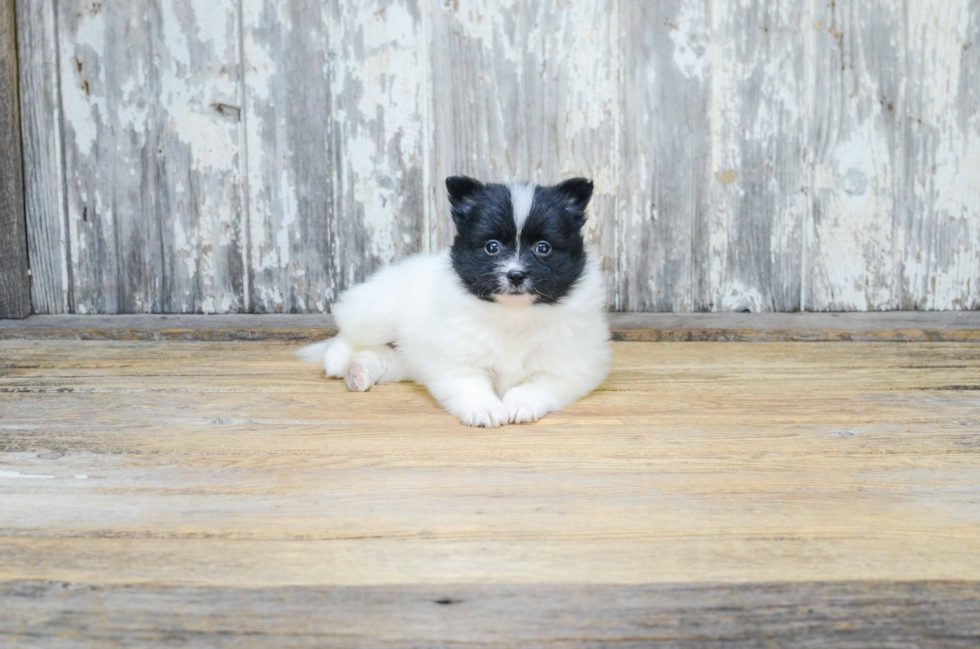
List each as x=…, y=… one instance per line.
x=490, y=415
x=524, y=408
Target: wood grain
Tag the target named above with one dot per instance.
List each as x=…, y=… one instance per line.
x=663, y=242
x=152, y=135
x=335, y=141
x=857, y=155
x=291, y=155
x=938, y=230
x=894, y=216
x=262, y=156
x=221, y=491
x=759, y=175
x=839, y=615
x=714, y=187
x=899, y=326
x=44, y=178
x=687, y=466
x=15, y=289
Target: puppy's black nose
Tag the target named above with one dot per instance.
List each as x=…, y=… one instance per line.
x=516, y=277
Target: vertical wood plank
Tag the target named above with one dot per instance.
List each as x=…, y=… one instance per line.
x=200, y=185
x=15, y=291
x=759, y=175
x=938, y=230
x=90, y=169
x=151, y=125
x=897, y=201
x=44, y=182
x=857, y=139
x=335, y=145
x=288, y=122
x=664, y=235
x=528, y=91
x=377, y=80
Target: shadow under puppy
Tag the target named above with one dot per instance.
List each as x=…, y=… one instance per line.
x=505, y=327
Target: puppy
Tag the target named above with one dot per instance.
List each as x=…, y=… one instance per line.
x=505, y=327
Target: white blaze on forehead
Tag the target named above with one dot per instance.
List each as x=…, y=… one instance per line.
x=510, y=264
x=521, y=197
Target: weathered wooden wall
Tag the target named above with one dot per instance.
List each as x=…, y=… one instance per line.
x=15, y=298
x=263, y=155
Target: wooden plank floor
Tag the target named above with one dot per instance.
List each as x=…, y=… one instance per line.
x=223, y=494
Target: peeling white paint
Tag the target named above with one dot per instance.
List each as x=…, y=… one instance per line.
x=189, y=95
x=290, y=210
x=480, y=20
x=739, y=297
x=554, y=91
x=261, y=67
x=82, y=97
x=942, y=274
x=691, y=41
x=856, y=229
x=381, y=63
x=853, y=253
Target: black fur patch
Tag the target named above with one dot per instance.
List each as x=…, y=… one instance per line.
x=484, y=212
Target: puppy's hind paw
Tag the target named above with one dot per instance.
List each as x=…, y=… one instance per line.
x=358, y=379
x=489, y=416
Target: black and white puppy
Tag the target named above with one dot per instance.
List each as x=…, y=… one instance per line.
x=505, y=327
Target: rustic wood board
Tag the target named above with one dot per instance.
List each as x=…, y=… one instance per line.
x=288, y=124
x=821, y=490
x=15, y=289
x=938, y=230
x=895, y=137
x=44, y=179
x=262, y=156
x=152, y=137
x=858, y=50
x=759, y=175
x=334, y=119
x=850, y=615
x=666, y=199
x=898, y=326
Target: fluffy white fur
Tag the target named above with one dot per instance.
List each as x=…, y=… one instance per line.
x=487, y=363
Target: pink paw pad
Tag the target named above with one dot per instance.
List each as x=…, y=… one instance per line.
x=358, y=379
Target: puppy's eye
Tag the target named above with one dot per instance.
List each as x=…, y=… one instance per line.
x=492, y=248
x=542, y=249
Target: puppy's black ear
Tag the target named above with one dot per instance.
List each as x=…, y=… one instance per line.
x=461, y=187
x=577, y=192
x=461, y=190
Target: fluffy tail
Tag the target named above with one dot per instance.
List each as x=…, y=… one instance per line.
x=313, y=353
x=334, y=355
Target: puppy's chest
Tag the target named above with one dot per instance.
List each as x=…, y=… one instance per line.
x=513, y=358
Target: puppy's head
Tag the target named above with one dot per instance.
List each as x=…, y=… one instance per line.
x=518, y=243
